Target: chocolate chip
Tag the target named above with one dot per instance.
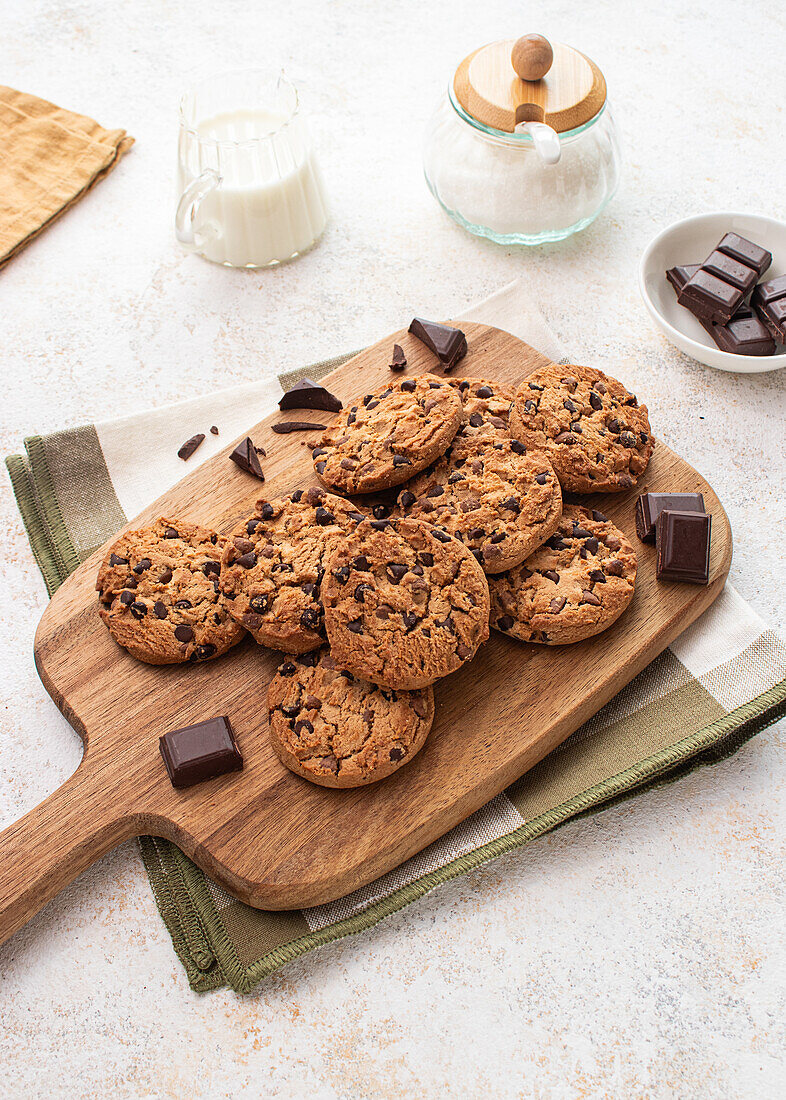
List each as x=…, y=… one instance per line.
x=265, y=510
x=613, y=568
x=440, y=536
x=551, y=576
x=591, y=545
x=183, y=605
x=456, y=476
x=319, y=451
x=614, y=426
x=166, y=575
x=302, y=725
x=541, y=479
x=290, y=710
x=580, y=533
x=309, y=660
x=643, y=436
x=463, y=651
x=590, y=598
x=310, y=589
x=184, y=633
x=535, y=386
x=144, y=564
x=211, y=567
x=170, y=533
x=595, y=401
x=478, y=554
x=400, y=460
x=358, y=517
x=282, y=567
x=203, y=652
x=425, y=558
x=115, y=559
x=159, y=609
x=510, y=504
x=360, y=592
x=320, y=467
x=396, y=754
x=612, y=543
x=395, y=571
x=436, y=491
x=484, y=391
x=568, y=404
x=380, y=524
x=341, y=574
x=628, y=439
x=599, y=517
x=408, y=385
x=499, y=537
x=571, y=383
x=287, y=669
x=410, y=620
x=477, y=533
x=132, y=582
x=380, y=511
x=557, y=605
x=597, y=576
x=371, y=404
x=355, y=625
x=213, y=429
x=309, y=619
x=248, y=561
x=476, y=420
x=565, y=437
x=406, y=499
x=599, y=387
x=577, y=428
x=324, y=517
x=138, y=609
x=556, y=542
x=505, y=622
x=517, y=447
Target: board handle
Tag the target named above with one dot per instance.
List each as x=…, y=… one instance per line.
x=46, y=849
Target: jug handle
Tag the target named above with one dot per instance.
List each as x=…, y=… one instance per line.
x=188, y=207
x=545, y=140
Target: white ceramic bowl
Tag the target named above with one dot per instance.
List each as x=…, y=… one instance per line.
x=689, y=242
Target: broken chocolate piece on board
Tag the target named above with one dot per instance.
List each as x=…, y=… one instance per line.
x=190, y=446
x=724, y=279
x=769, y=301
x=310, y=395
x=744, y=334
x=202, y=751
x=650, y=505
x=448, y=344
x=245, y=456
x=398, y=360
x=683, y=547
x=287, y=426
x=214, y=430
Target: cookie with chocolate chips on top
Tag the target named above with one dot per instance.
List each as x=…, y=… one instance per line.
x=385, y=438
x=576, y=585
x=486, y=406
x=338, y=731
x=160, y=597
x=492, y=495
x=273, y=564
x=593, y=430
x=405, y=603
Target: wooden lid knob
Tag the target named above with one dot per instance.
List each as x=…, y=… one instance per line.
x=531, y=56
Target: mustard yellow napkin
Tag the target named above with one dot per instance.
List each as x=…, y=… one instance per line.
x=49, y=158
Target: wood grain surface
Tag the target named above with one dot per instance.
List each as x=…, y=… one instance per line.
x=273, y=839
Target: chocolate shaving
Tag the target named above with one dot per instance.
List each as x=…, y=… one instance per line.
x=398, y=360
x=245, y=456
x=287, y=426
x=190, y=446
x=310, y=395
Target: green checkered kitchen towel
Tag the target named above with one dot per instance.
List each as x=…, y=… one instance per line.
x=717, y=685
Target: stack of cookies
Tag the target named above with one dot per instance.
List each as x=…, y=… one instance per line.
x=441, y=515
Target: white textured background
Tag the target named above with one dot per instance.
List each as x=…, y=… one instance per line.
x=639, y=953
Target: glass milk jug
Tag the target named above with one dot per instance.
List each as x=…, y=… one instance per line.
x=249, y=190
x=523, y=148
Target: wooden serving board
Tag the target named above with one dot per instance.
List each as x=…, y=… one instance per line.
x=271, y=838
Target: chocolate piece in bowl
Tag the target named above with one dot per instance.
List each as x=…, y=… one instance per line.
x=726, y=277
x=650, y=505
x=744, y=334
x=769, y=301
x=448, y=344
x=202, y=751
x=307, y=394
x=683, y=546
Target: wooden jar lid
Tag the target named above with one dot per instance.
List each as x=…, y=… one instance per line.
x=570, y=94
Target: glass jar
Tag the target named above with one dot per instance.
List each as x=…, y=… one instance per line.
x=520, y=188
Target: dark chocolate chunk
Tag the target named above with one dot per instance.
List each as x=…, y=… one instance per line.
x=719, y=285
x=448, y=344
x=202, y=751
x=142, y=566
x=310, y=395
x=246, y=457
x=398, y=360
x=213, y=429
x=745, y=334
x=115, y=559
x=650, y=505
x=190, y=446
x=184, y=633
x=683, y=546
x=287, y=426
x=159, y=610
x=769, y=301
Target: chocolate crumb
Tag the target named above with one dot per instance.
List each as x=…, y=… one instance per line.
x=190, y=446
x=287, y=426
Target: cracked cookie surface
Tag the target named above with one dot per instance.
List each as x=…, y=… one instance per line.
x=385, y=438
x=405, y=604
x=487, y=491
x=160, y=597
x=273, y=564
x=593, y=430
x=576, y=585
x=338, y=731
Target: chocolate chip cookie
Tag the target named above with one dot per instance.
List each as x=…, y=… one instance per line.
x=273, y=564
x=385, y=438
x=160, y=597
x=405, y=604
x=577, y=584
x=595, y=433
x=491, y=494
x=339, y=731
x=486, y=405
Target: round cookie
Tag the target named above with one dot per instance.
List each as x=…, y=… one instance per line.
x=486, y=405
x=595, y=433
x=387, y=437
x=160, y=597
x=490, y=494
x=577, y=584
x=338, y=731
x=273, y=564
x=405, y=604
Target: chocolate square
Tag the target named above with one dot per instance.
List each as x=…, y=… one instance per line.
x=710, y=297
x=650, y=505
x=683, y=547
x=730, y=271
x=202, y=751
x=744, y=334
x=748, y=253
